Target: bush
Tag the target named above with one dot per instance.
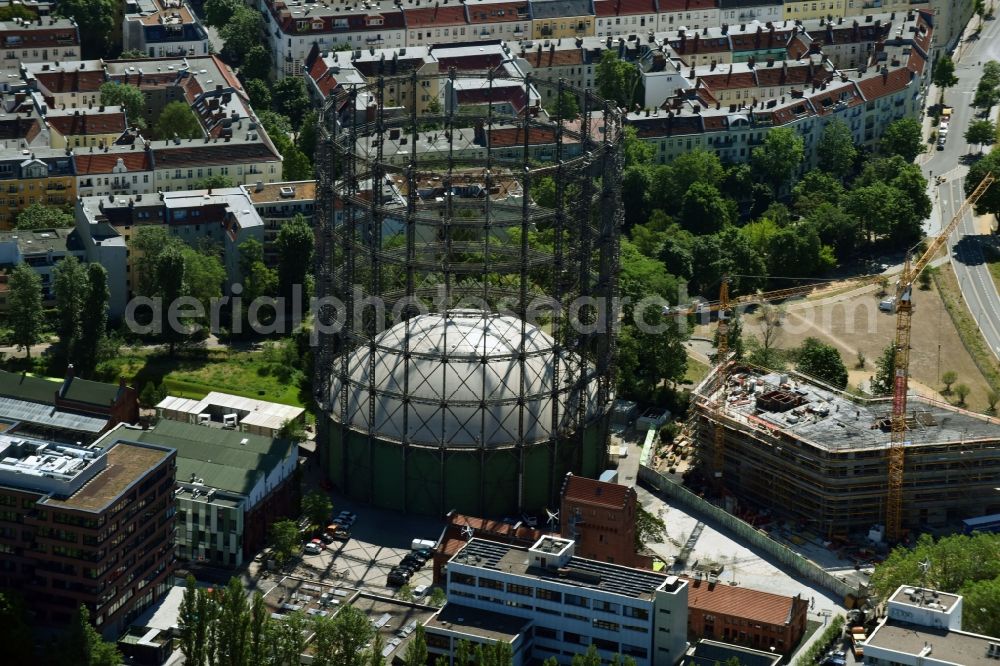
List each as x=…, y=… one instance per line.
x=669, y=432
x=812, y=656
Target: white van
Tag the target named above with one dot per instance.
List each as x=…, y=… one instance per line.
x=887, y=304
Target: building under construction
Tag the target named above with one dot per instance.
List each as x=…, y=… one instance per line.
x=810, y=454
x=464, y=241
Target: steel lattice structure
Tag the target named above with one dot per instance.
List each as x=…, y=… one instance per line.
x=441, y=239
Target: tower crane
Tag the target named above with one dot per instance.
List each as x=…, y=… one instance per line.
x=901, y=364
x=904, y=310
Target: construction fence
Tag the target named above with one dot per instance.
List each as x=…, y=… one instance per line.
x=747, y=533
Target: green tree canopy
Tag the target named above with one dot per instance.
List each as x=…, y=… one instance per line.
x=885, y=369
x=96, y=22
x=903, y=137
x=617, y=80
x=981, y=132
x=213, y=182
x=943, y=73
x=127, y=96
x=290, y=99
x=171, y=284
x=284, y=538
x=24, y=307
x=296, y=165
x=567, y=106
x=295, y=255
x=81, y=644
x=70, y=288
x=216, y=12
x=779, y=157
x=318, y=508
x=241, y=32
x=990, y=201
x=40, y=216
x=704, y=210
x=15, y=631
x=836, y=151
x=822, y=361
x=257, y=63
x=177, y=119
x=259, y=93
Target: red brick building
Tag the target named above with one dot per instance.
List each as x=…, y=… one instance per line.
x=461, y=528
x=601, y=518
x=743, y=616
x=79, y=526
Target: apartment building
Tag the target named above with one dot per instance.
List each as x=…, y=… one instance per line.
x=42, y=250
x=93, y=126
x=85, y=526
x=231, y=485
x=66, y=84
x=277, y=204
x=745, y=11
x=40, y=40
x=224, y=216
x=571, y=602
x=43, y=175
x=554, y=19
x=924, y=627
x=163, y=28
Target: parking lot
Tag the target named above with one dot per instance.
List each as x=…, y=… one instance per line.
x=379, y=540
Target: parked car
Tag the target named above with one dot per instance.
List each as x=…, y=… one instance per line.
x=887, y=304
x=425, y=553
x=419, y=591
x=396, y=579
x=313, y=549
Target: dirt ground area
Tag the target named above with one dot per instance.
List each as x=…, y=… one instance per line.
x=855, y=323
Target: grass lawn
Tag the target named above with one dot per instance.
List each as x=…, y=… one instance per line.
x=195, y=373
x=966, y=326
x=992, y=256
x=696, y=371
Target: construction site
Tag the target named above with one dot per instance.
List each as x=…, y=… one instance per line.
x=799, y=451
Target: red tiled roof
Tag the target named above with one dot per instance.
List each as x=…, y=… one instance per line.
x=498, y=12
x=507, y=137
x=600, y=493
x=34, y=38
x=88, y=122
x=879, y=85
x=797, y=47
x=484, y=528
x=19, y=127
x=726, y=80
x=916, y=62
x=624, y=7
x=72, y=81
x=696, y=44
x=741, y=602
x=762, y=38
x=435, y=16
x=686, y=5
x=470, y=62
x=101, y=162
x=668, y=126
x=922, y=37
x=197, y=153
x=515, y=95
x=554, y=57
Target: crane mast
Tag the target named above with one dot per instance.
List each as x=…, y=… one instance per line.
x=901, y=365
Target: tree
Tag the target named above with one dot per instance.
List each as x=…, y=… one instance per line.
x=127, y=96
x=438, y=597
x=703, y=209
x=69, y=287
x=259, y=93
x=178, y=120
x=287, y=639
x=962, y=391
x=260, y=617
x=24, y=307
x=616, y=79
x=903, y=137
x=257, y=63
x=318, y=507
x=152, y=394
x=240, y=33
x=943, y=73
x=305, y=140
x=779, y=157
x=416, y=651
x=217, y=12
x=982, y=132
x=213, y=182
x=823, y=362
x=958, y=564
x=296, y=165
x=233, y=625
x=341, y=641
x=40, y=216
x=171, y=285
x=191, y=622
x=814, y=189
x=81, y=645
x=274, y=124
x=992, y=397
x=375, y=657
x=990, y=201
x=566, y=107
x=948, y=378
x=648, y=529
x=885, y=371
x=290, y=99
x=284, y=537
x=836, y=151
x=15, y=631
x=91, y=348
x=493, y=654
x=590, y=658
x=132, y=54
x=96, y=22
x=295, y=244
x=987, y=95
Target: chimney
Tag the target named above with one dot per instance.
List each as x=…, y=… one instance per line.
x=70, y=371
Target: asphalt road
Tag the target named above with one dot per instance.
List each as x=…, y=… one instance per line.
x=978, y=289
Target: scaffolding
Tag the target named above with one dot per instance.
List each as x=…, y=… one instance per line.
x=466, y=200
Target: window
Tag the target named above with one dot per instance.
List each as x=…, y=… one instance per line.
x=462, y=579
x=522, y=590
x=576, y=600
x=548, y=595
x=605, y=625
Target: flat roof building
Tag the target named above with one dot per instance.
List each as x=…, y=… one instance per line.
x=574, y=602
x=258, y=417
x=812, y=454
x=923, y=627
x=231, y=486
x=86, y=526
